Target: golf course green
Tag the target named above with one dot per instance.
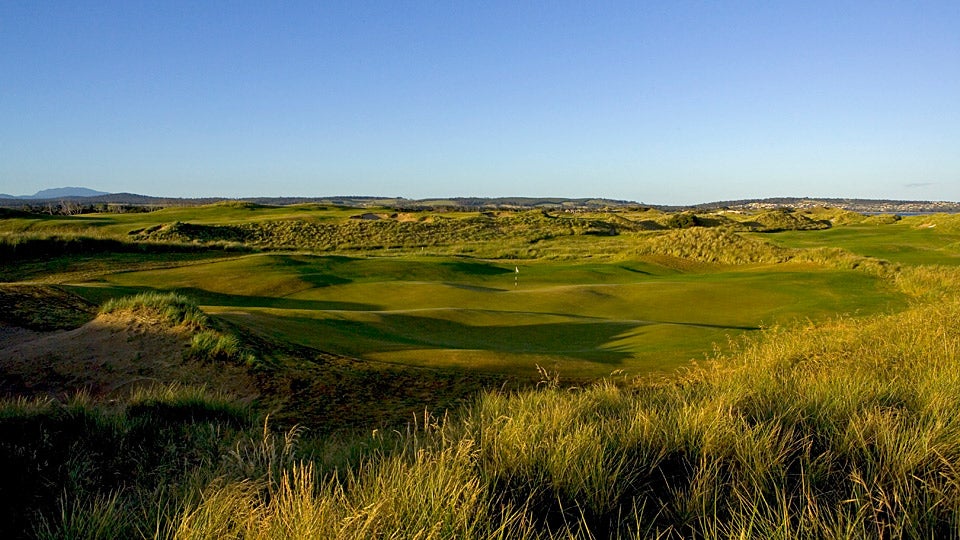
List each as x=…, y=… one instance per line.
x=560, y=295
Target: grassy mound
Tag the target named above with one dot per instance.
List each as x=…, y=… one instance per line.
x=172, y=308
x=720, y=246
x=881, y=219
x=785, y=220
x=176, y=310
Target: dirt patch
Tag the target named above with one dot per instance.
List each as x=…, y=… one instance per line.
x=108, y=356
x=42, y=307
x=406, y=217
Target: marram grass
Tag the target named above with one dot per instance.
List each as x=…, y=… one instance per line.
x=845, y=430
x=177, y=310
x=171, y=308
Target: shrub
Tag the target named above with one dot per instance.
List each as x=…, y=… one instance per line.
x=683, y=220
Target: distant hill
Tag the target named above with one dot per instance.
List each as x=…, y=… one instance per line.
x=855, y=205
x=55, y=193
x=88, y=197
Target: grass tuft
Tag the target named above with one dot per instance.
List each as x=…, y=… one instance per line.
x=172, y=308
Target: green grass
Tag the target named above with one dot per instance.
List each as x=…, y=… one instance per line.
x=585, y=319
x=910, y=241
x=845, y=429
x=448, y=295
x=823, y=405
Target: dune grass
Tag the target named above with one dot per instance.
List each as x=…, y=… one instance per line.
x=82, y=469
x=171, y=308
x=839, y=430
x=176, y=310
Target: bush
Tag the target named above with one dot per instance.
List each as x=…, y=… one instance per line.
x=683, y=220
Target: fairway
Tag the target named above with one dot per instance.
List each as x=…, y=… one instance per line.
x=508, y=317
x=494, y=292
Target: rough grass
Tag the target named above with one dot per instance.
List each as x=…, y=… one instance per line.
x=41, y=307
x=379, y=233
x=171, y=308
x=841, y=430
x=721, y=246
x=176, y=310
x=82, y=469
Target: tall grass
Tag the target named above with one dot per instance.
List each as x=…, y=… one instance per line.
x=171, y=308
x=845, y=430
x=207, y=343
x=83, y=469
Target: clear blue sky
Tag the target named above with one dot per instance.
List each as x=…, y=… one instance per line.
x=661, y=102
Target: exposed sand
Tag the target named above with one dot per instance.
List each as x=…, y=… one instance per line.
x=109, y=355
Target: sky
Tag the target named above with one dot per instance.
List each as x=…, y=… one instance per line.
x=669, y=102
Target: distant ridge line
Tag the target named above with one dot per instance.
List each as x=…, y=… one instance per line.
x=559, y=203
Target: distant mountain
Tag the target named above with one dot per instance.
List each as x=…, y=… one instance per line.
x=5, y=196
x=56, y=193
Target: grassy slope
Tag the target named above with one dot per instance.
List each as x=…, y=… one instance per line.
x=843, y=429
x=911, y=240
x=583, y=319
x=583, y=304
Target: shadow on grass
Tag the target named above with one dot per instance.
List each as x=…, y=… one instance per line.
x=397, y=332
x=204, y=297
x=587, y=339
x=98, y=295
